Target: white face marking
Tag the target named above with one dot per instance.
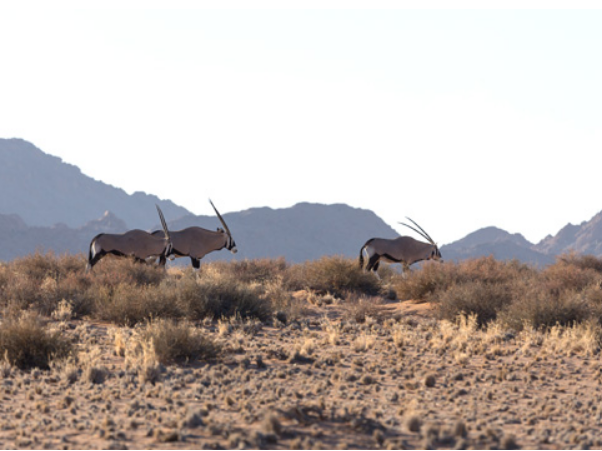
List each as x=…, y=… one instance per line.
x=234, y=250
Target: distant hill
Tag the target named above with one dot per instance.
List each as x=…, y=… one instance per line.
x=46, y=204
x=498, y=243
x=585, y=238
x=44, y=191
x=17, y=239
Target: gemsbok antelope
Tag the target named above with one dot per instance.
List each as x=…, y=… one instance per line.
x=404, y=249
x=196, y=242
x=134, y=243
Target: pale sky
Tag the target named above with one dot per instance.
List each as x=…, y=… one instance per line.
x=459, y=119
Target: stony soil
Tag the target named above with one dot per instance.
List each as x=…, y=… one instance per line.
x=345, y=377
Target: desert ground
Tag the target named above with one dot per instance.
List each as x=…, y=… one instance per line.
x=334, y=372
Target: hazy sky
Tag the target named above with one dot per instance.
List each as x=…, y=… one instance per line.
x=459, y=119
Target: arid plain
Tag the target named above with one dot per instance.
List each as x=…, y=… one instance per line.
x=262, y=354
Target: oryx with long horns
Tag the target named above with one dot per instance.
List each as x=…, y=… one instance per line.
x=136, y=243
x=405, y=250
x=196, y=242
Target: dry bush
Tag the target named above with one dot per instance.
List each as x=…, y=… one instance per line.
x=38, y=266
x=262, y=271
x=128, y=305
x=418, y=284
x=333, y=274
x=571, y=272
x=25, y=342
x=177, y=341
x=535, y=305
x=217, y=297
x=359, y=307
x=482, y=299
x=117, y=271
x=285, y=306
x=580, y=261
x=433, y=278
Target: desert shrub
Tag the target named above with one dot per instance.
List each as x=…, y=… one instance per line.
x=217, y=297
x=129, y=304
x=18, y=291
x=358, y=307
x=490, y=270
x=580, y=261
x=70, y=286
x=118, y=271
x=333, y=274
x=483, y=299
x=263, y=270
x=37, y=266
x=535, y=305
x=26, y=343
x=178, y=341
x=426, y=283
x=571, y=272
x=418, y=284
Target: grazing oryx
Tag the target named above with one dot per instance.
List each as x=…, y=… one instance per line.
x=196, y=242
x=135, y=243
x=405, y=250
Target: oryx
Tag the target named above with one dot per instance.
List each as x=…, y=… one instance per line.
x=405, y=250
x=134, y=243
x=196, y=242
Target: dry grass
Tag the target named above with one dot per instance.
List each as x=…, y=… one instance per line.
x=177, y=342
x=497, y=355
x=567, y=292
x=26, y=342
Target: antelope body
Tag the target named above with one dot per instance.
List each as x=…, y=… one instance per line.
x=134, y=243
x=196, y=242
x=405, y=250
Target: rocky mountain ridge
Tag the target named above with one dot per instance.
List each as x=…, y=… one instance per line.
x=46, y=204
x=44, y=191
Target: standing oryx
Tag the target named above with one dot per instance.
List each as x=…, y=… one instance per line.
x=135, y=243
x=196, y=242
x=405, y=250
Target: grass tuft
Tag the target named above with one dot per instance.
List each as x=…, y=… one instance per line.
x=25, y=342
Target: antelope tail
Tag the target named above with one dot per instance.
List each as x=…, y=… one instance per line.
x=91, y=253
x=361, y=260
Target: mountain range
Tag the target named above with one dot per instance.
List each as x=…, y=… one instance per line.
x=44, y=191
x=47, y=204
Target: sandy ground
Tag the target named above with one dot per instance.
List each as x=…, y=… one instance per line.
x=397, y=379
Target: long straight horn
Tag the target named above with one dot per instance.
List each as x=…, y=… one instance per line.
x=220, y=218
x=163, y=223
x=420, y=231
x=427, y=236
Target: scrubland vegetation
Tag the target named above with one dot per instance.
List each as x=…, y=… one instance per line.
x=264, y=354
